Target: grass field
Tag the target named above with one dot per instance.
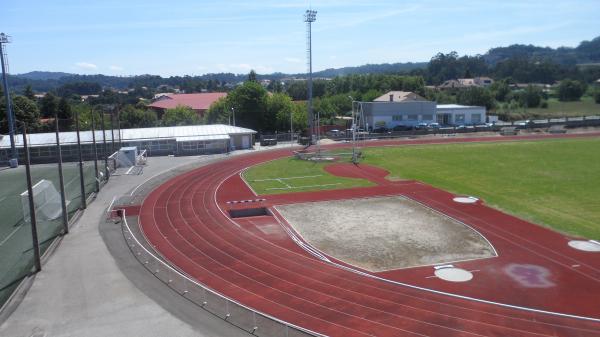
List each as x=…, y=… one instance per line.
x=552, y=182
x=298, y=175
x=585, y=107
x=16, y=255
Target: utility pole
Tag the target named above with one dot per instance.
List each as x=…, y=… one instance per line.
x=14, y=160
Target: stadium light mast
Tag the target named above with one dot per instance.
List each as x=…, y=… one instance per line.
x=309, y=17
x=354, y=159
x=13, y=161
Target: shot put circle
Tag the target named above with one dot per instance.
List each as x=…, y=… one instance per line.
x=586, y=246
x=465, y=200
x=454, y=274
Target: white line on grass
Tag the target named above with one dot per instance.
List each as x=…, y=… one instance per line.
x=284, y=183
x=11, y=234
x=305, y=186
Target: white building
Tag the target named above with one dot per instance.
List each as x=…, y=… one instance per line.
x=455, y=114
x=409, y=109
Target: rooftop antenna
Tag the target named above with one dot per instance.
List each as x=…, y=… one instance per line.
x=309, y=17
x=13, y=161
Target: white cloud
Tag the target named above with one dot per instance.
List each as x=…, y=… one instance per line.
x=86, y=65
x=115, y=68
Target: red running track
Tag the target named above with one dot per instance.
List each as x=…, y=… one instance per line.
x=266, y=270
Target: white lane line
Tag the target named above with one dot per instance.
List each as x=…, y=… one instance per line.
x=11, y=234
x=290, y=178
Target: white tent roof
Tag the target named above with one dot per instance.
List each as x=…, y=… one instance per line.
x=213, y=132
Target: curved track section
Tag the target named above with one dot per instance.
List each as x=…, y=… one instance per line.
x=183, y=221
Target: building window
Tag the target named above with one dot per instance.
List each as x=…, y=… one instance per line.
x=413, y=117
x=459, y=118
x=427, y=117
x=475, y=118
x=397, y=117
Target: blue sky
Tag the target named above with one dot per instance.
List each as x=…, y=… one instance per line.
x=129, y=37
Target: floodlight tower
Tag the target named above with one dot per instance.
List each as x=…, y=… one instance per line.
x=13, y=161
x=309, y=17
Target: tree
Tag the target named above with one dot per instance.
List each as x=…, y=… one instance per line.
x=79, y=88
x=64, y=113
x=132, y=117
x=180, y=115
x=48, y=105
x=476, y=96
x=570, y=90
x=28, y=92
x=280, y=106
x=26, y=111
x=252, y=76
x=597, y=96
x=218, y=113
x=531, y=97
x=250, y=103
x=500, y=89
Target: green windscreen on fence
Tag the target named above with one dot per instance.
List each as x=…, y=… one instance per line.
x=16, y=245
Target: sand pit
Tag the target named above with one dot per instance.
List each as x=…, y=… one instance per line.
x=385, y=233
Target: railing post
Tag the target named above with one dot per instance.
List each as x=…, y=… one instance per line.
x=81, y=180
x=106, y=172
x=95, y=150
x=32, y=218
x=61, y=180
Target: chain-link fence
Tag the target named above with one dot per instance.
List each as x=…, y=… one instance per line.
x=38, y=201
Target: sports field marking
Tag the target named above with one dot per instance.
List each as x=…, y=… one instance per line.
x=11, y=234
x=290, y=178
x=305, y=186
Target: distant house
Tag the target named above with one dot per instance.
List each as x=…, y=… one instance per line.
x=466, y=83
x=198, y=102
x=399, y=96
x=87, y=97
x=450, y=84
x=476, y=81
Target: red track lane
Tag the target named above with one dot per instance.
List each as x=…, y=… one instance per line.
x=269, y=272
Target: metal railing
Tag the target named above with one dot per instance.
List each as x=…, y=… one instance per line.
x=244, y=317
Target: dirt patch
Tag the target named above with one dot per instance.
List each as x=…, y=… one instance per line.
x=379, y=234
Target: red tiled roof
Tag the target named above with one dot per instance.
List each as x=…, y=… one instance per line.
x=195, y=101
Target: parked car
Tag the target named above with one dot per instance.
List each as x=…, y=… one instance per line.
x=380, y=130
x=401, y=128
x=421, y=126
x=333, y=133
x=434, y=125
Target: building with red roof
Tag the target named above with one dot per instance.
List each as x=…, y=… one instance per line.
x=198, y=102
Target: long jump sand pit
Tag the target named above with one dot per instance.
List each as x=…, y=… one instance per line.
x=384, y=233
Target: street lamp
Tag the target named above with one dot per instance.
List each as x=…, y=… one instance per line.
x=233, y=112
x=14, y=158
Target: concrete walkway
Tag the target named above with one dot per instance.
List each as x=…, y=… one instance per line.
x=87, y=289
